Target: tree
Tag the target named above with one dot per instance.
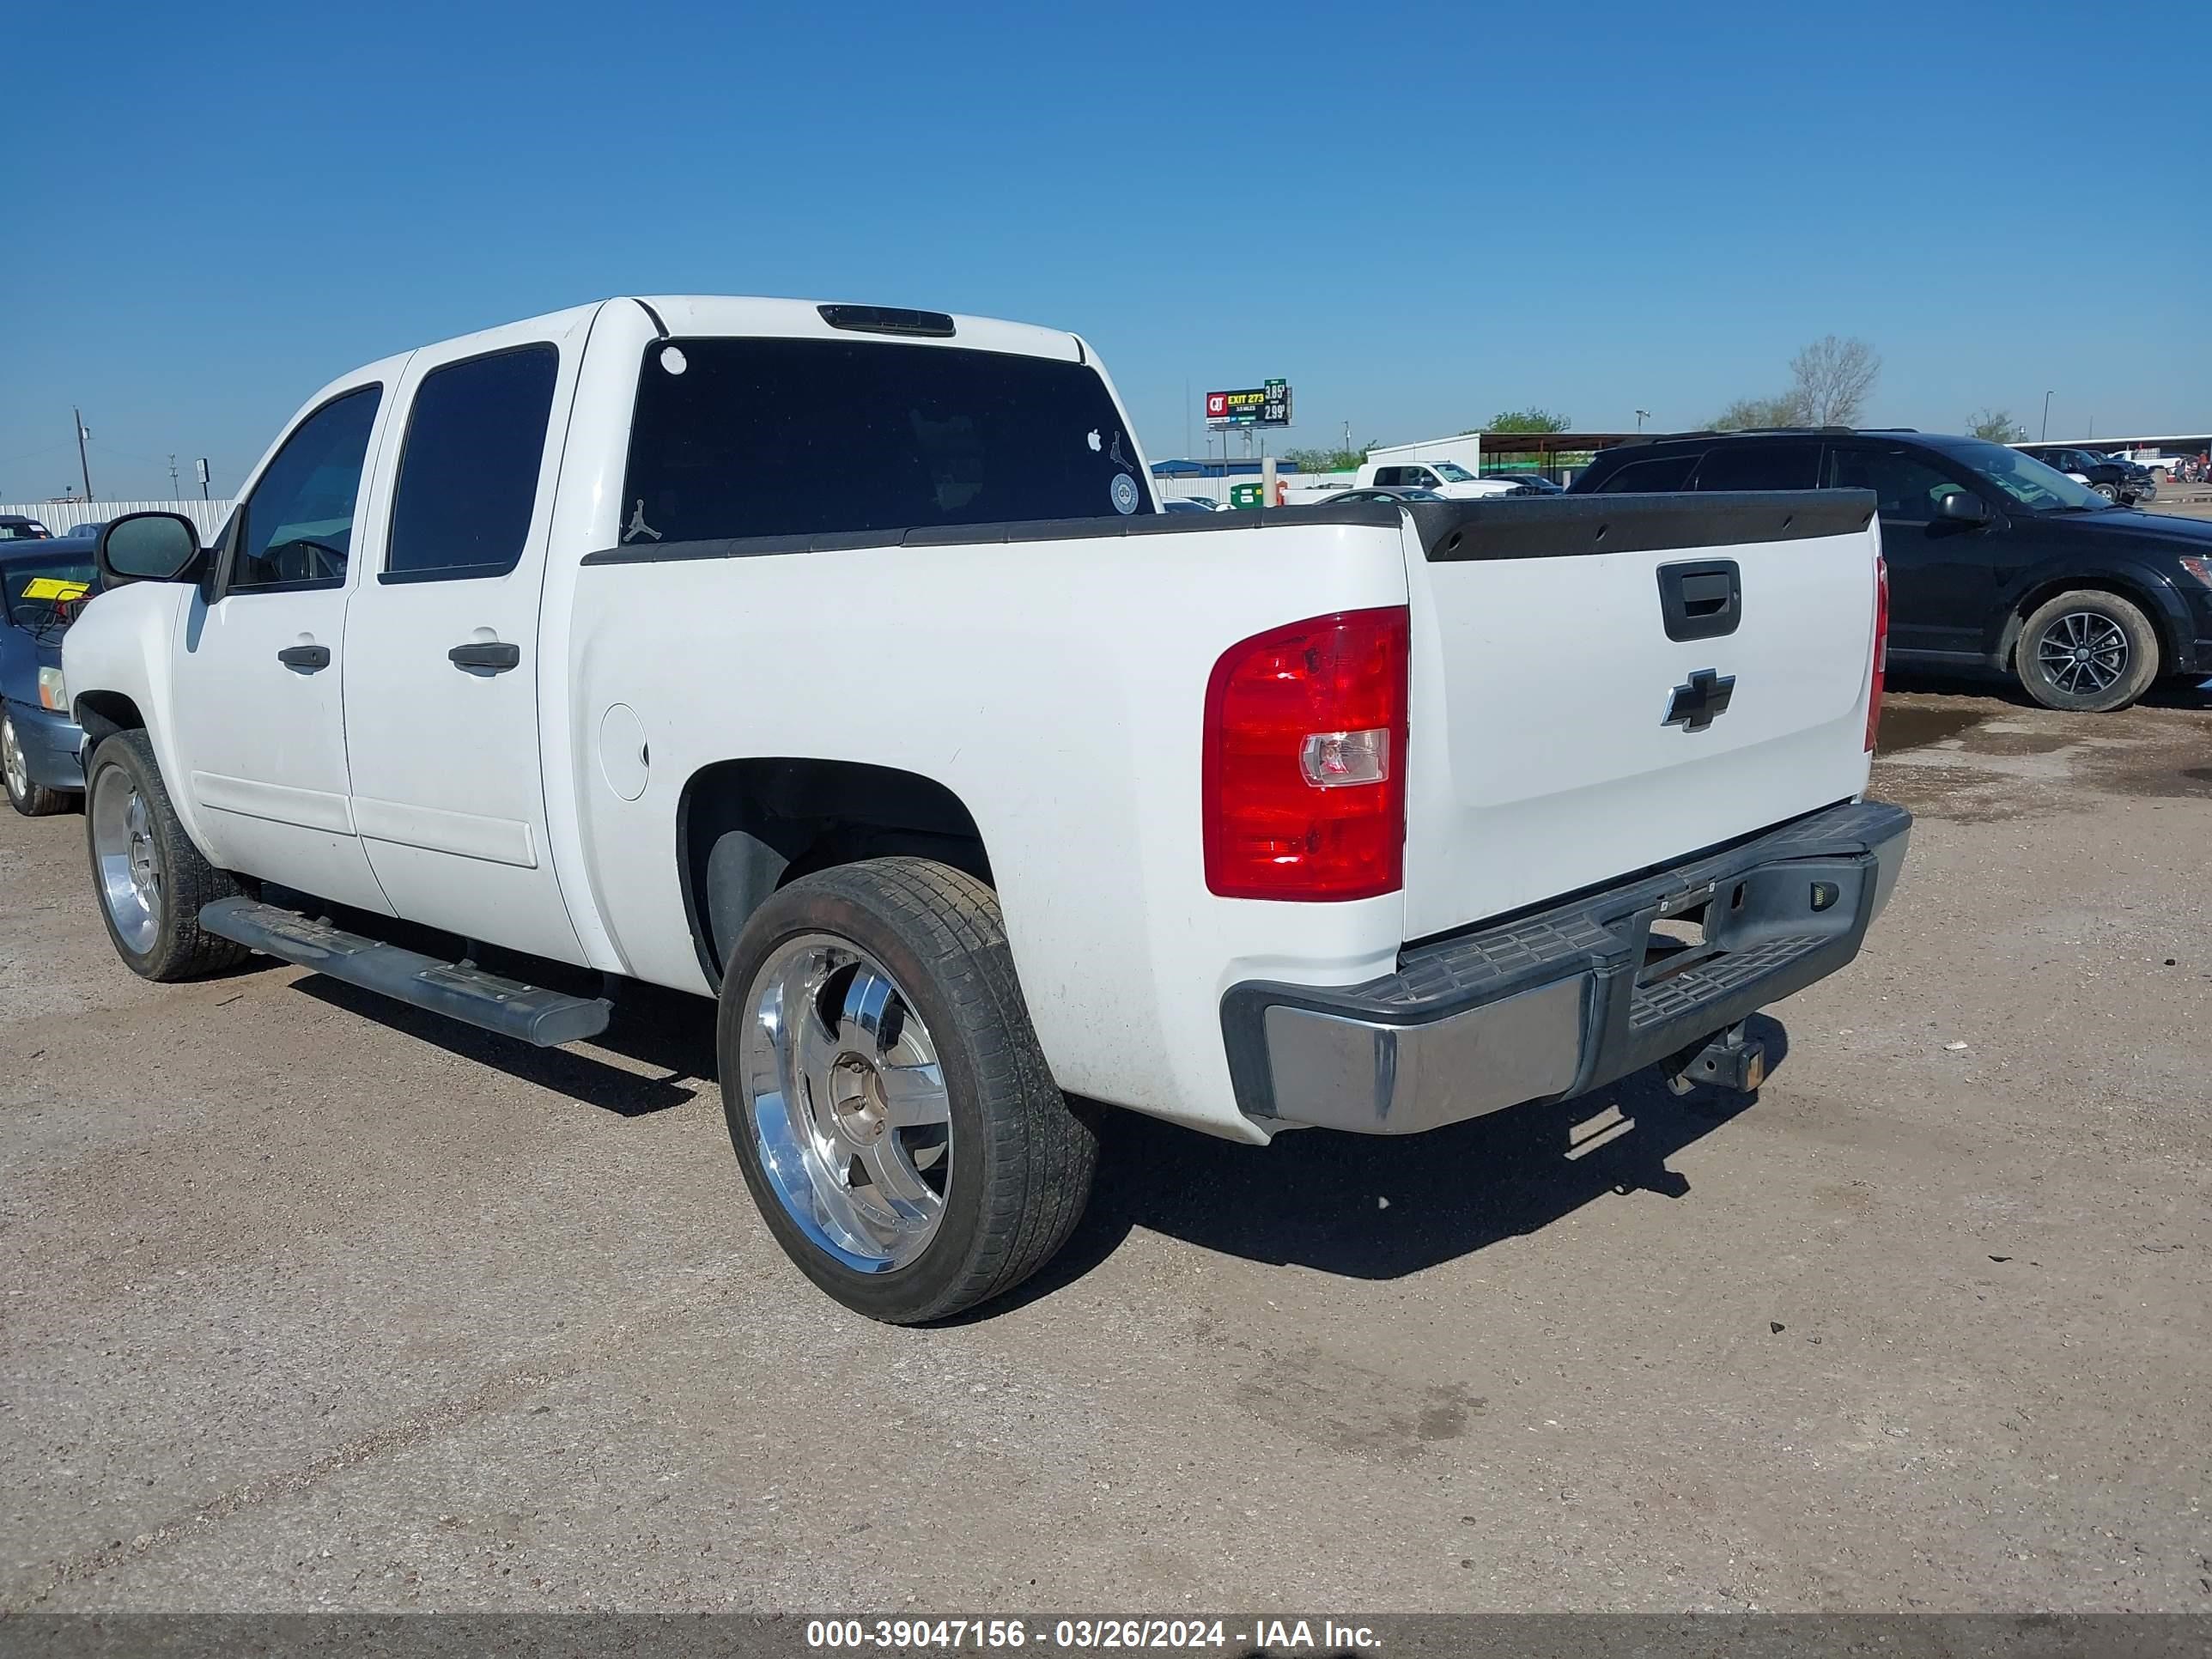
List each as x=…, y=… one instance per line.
x=1528, y=420
x=1748, y=414
x=1830, y=379
x=1330, y=460
x=1996, y=425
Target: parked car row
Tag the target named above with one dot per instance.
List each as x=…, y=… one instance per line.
x=1995, y=560
x=44, y=581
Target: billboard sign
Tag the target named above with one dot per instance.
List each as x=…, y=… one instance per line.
x=1259, y=405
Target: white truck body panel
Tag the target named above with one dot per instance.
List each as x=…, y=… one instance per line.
x=1054, y=686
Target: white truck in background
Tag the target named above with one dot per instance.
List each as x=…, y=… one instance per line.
x=1446, y=478
x=833, y=662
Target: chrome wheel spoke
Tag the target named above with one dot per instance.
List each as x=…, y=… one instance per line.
x=901, y=1188
x=867, y=1007
x=915, y=1097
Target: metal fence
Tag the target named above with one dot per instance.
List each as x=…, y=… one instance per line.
x=59, y=516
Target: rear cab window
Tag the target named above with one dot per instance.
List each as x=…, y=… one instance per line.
x=1760, y=465
x=1659, y=473
x=733, y=438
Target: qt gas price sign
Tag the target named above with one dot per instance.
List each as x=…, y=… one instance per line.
x=1259, y=406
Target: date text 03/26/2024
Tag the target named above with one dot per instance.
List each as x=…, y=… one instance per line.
x=1261, y=1637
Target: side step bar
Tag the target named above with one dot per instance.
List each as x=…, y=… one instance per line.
x=508, y=1006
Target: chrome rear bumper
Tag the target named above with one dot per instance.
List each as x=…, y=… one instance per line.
x=1554, y=1004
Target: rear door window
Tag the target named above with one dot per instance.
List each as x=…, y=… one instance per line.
x=1760, y=466
x=1660, y=473
x=468, y=475
x=734, y=438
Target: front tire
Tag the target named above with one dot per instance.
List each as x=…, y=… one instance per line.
x=2088, y=653
x=886, y=1097
x=2110, y=492
x=150, y=880
x=25, y=793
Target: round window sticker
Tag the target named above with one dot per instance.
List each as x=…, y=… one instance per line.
x=1124, y=491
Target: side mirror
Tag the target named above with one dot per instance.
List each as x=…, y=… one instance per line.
x=1963, y=507
x=147, y=547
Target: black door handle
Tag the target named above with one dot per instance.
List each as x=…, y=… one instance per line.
x=497, y=658
x=1700, y=601
x=306, y=658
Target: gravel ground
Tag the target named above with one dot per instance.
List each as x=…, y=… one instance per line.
x=313, y=1301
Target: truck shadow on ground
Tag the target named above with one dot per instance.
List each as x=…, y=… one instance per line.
x=1360, y=1206
x=1363, y=1206
x=669, y=1034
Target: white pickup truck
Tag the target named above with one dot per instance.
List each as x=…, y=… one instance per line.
x=835, y=662
x=1446, y=478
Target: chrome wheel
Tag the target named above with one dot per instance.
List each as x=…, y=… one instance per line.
x=128, y=859
x=11, y=759
x=845, y=1100
x=2083, y=652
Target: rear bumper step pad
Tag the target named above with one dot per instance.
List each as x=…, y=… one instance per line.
x=529, y=1012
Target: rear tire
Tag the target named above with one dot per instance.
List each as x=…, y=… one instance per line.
x=886, y=1097
x=25, y=793
x=2088, y=653
x=150, y=879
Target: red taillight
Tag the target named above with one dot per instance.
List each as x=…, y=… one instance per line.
x=1880, y=647
x=1304, y=785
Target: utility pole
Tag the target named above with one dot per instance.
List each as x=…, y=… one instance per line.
x=2047, y=397
x=1642, y=416
x=172, y=478
x=84, y=467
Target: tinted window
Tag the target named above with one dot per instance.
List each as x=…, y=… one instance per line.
x=468, y=477
x=738, y=437
x=297, y=526
x=1660, y=472
x=1907, y=489
x=1758, y=466
x=1388, y=476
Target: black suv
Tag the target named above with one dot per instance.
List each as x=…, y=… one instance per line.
x=1994, y=559
x=2116, y=481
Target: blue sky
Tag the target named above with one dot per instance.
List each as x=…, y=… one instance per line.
x=1416, y=214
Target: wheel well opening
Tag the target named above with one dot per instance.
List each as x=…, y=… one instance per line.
x=103, y=714
x=2036, y=598
x=746, y=828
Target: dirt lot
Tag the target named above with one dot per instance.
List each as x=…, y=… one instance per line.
x=314, y=1302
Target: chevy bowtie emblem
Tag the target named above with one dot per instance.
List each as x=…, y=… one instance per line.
x=1700, y=700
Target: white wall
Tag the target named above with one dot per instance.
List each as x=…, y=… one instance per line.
x=1467, y=450
x=59, y=516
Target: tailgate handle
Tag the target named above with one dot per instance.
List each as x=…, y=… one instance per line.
x=1702, y=600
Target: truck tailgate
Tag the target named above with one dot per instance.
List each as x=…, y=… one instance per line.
x=1603, y=684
